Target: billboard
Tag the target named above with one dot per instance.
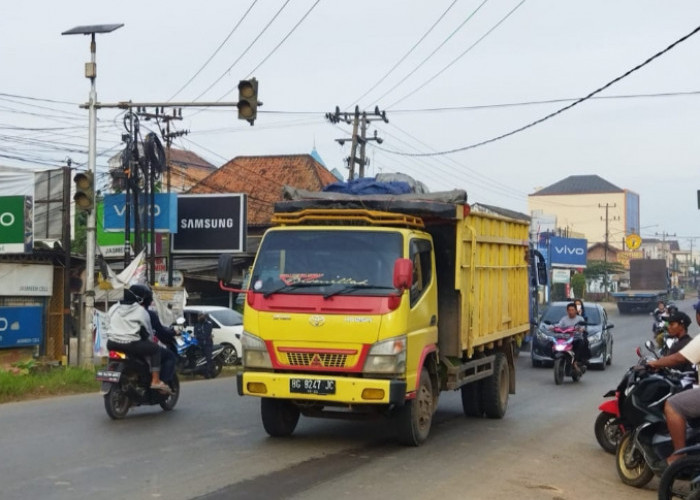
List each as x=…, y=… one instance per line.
x=569, y=252
x=16, y=218
x=165, y=210
x=211, y=223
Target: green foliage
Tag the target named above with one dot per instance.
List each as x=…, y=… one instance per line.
x=79, y=245
x=596, y=269
x=578, y=283
x=25, y=381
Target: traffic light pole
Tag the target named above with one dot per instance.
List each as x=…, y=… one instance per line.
x=89, y=303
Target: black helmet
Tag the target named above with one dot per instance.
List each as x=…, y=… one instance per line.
x=671, y=308
x=138, y=294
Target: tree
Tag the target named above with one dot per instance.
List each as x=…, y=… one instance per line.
x=596, y=269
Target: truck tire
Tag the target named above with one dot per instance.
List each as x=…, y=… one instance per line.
x=279, y=417
x=495, y=389
x=414, y=418
x=472, y=399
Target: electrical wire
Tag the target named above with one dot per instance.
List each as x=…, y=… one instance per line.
x=465, y=52
x=244, y=51
x=555, y=113
x=402, y=80
x=403, y=58
x=245, y=14
x=284, y=39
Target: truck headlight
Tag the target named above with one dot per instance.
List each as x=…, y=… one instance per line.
x=255, y=353
x=387, y=356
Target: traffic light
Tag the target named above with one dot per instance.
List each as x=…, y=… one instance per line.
x=84, y=196
x=248, y=100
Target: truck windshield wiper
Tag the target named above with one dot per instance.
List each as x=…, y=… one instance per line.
x=356, y=286
x=290, y=286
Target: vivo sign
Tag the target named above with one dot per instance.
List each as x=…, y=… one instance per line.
x=568, y=251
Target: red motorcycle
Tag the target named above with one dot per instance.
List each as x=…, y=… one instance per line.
x=563, y=353
x=608, y=429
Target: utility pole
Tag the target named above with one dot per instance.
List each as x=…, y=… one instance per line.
x=607, y=206
x=358, y=120
x=160, y=116
x=663, y=235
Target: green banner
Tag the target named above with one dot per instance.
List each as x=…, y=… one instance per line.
x=16, y=224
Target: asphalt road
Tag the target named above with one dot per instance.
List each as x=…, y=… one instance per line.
x=213, y=446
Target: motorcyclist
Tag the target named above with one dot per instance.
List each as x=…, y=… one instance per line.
x=130, y=331
x=166, y=336
x=580, y=343
x=684, y=405
x=203, y=332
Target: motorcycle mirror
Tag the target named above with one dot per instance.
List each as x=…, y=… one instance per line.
x=651, y=348
x=639, y=352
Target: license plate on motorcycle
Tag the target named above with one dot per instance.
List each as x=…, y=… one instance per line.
x=107, y=376
x=318, y=386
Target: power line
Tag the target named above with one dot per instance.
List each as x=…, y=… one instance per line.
x=432, y=53
x=459, y=56
x=403, y=58
x=555, y=113
x=279, y=44
x=245, y=14
x=244, y=52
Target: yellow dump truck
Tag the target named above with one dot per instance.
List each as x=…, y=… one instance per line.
x=372, y=306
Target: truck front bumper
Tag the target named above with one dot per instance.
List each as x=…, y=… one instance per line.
x=346, y=390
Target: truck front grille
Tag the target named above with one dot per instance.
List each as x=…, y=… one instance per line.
x=317, y=359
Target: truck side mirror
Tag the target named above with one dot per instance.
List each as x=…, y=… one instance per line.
x=403, y=273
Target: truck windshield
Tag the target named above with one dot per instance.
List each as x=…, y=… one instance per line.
x=327, y=262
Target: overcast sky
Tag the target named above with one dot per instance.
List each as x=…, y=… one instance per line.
x=449, y=74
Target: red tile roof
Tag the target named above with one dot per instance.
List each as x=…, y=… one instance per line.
x=262, y=179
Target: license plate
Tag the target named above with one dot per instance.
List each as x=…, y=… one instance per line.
x=107, y=376
x=312, y=386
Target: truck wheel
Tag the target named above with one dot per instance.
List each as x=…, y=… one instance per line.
x=279, y=417
x=495, y=389
x=472, y=399
x=413, y=419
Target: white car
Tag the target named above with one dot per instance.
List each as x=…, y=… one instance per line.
x=228, y=327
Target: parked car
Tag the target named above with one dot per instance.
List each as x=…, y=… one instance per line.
x=600, y=338
x=228, y=327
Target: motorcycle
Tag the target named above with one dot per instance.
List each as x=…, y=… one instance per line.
x=608, y=429
x=191, y=359
x=681, y=479
x=642, y=393
x=126, y=382
x=563, y=354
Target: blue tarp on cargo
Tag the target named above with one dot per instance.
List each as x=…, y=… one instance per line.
x=368, y=185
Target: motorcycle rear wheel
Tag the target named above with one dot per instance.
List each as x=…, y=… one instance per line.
x=630, y=464
x=171, y=401
x=117, y=403
x=559, y=370
x=218, y=365
x=676, y=479
x=607, y=432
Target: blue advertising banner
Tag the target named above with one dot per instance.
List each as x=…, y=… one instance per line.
x=165, y=212
x=570, y=252
x=21, y=326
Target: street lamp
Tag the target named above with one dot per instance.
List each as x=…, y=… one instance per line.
x=85, y=349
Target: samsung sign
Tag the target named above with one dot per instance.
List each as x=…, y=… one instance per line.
x=211, y=223
x=568, y=251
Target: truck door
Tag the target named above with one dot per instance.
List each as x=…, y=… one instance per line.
x=423, y=293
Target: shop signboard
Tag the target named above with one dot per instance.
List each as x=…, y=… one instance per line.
x=21, y=326
x=211, y=224
x=16, y=219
